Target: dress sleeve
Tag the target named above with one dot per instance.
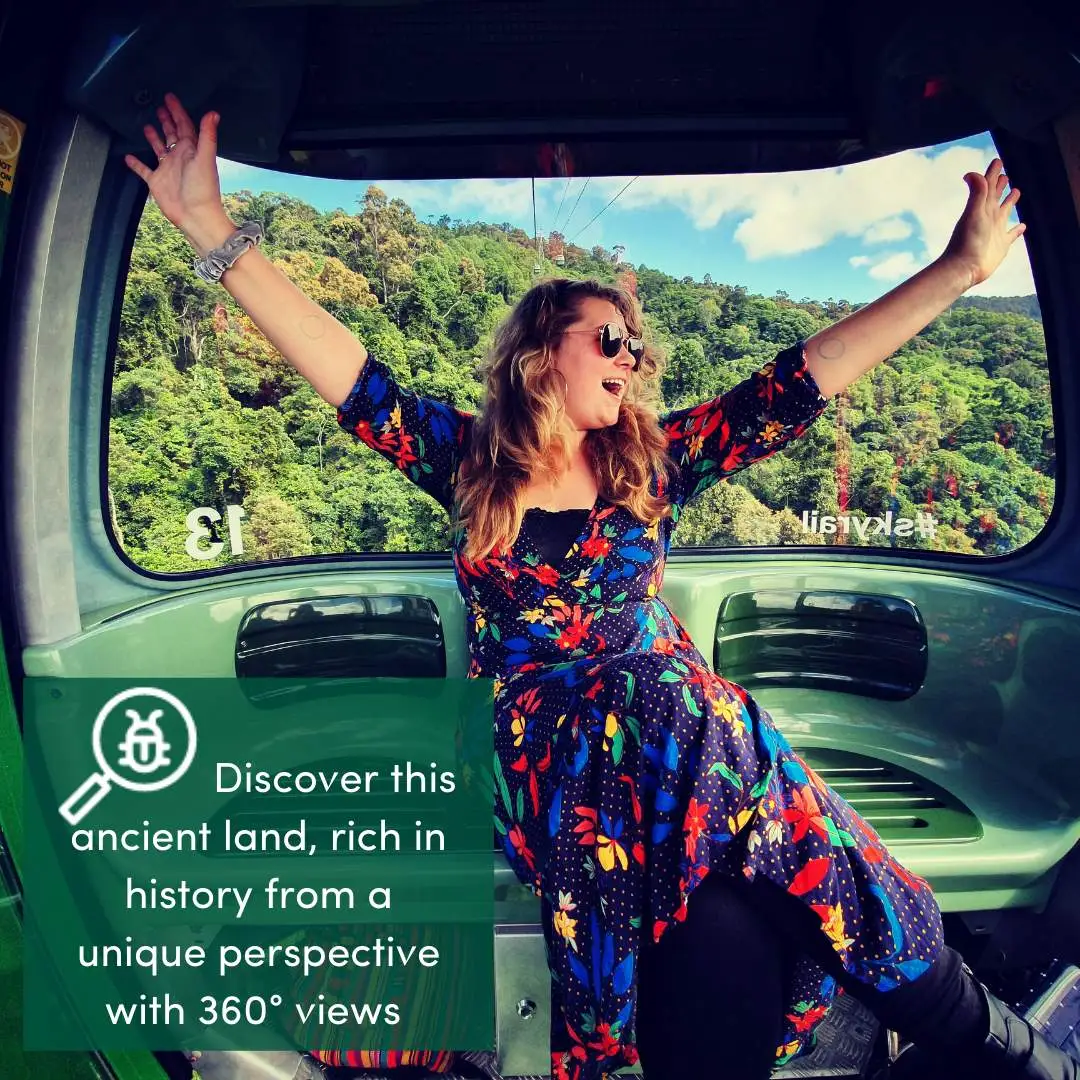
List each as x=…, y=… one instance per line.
x=421, y=436
x=749, y=422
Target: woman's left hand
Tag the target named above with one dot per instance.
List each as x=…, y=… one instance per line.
x=980, y=240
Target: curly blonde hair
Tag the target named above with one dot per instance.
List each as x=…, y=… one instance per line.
x=519, y=433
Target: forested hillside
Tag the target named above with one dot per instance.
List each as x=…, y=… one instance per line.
x=205, y=413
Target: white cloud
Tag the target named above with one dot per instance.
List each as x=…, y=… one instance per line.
x=497, y=199
x=891, y=266
x=1012, y=277
x=786, y=214
x=492, y=200
x=789, y=213
x=889, y=229
x=895, y=267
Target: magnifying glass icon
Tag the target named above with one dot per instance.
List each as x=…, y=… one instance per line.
x=96, y=786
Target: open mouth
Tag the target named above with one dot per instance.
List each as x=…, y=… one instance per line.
x=615, y=387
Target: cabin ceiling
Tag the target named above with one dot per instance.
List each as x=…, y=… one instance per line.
x=402, y=89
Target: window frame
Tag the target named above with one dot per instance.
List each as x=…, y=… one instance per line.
x=1025, y=161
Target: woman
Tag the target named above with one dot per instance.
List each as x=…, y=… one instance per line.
x=637, y=790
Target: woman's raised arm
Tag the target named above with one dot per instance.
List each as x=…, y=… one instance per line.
x=185, y=186
x=843, y=352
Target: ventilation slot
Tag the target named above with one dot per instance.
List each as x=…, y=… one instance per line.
x=898, y=805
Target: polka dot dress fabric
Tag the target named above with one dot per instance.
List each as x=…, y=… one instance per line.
x=625, y=768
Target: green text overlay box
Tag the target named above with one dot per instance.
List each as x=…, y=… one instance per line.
x=318, y=875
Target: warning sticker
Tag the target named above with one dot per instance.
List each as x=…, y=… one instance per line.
x=11, y=138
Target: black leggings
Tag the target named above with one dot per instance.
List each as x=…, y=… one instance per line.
x=711, y=993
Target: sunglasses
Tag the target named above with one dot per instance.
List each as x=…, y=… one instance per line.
x=612, y=340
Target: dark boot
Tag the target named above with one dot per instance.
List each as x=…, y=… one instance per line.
x=1013, y=1050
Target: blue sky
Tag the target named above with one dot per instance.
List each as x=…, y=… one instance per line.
x=848, y=233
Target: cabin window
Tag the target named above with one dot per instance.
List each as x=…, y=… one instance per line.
x=220, y=454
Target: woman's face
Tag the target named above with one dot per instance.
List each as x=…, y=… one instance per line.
x=592, y=398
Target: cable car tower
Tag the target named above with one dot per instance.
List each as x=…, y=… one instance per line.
x=843, y=465
x=538, y=269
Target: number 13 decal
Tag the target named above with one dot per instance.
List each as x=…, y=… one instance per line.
x=197, y=531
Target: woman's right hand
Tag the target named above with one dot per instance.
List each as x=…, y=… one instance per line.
x=185, y=183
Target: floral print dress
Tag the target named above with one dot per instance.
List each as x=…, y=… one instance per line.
x=625, y=768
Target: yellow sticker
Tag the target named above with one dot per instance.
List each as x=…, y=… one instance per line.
x=11, y=139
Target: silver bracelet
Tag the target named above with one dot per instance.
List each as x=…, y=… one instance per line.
x=221, y=258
